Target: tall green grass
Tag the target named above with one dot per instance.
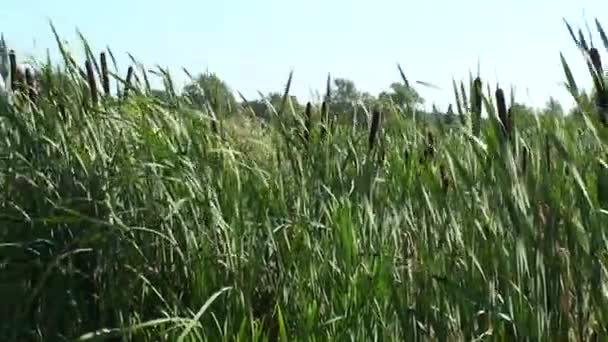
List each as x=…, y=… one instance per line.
x=129, y=217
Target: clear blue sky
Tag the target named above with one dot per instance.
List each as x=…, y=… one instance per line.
x=253, y=45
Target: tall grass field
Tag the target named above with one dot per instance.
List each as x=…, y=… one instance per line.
x=126, y=216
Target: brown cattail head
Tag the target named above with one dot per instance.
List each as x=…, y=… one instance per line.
x=502, y=111
x=308, y=122
x=524, y=159
x=476, y=96
x=128, y=81
x=596, y=60
x=91, y=81
x=445, y=179
x=548, y=153
x=324, y=119
x=375, y=126
x=429, y=152
x=14, y=72
x=29, y=81
x=601, y=96
x=105, y=79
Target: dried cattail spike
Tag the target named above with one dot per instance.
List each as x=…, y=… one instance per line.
x=524, y=159
x=324, y=119
x=601, y=96
x=445, y=179
x=128, y=81
x=596, y=60
x=548, y=153
x=429, y=152
x=502, y=111
x=375, y=126
x=105, y=79
x=308, y=122
x=476, y=106
x=91, y=81
x=29, y=81
x=13, y=67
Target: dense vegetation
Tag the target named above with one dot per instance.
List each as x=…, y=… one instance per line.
x=165, y=215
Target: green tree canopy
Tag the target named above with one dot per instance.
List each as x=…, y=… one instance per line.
x=209, y=88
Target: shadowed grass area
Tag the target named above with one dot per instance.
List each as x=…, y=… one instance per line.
x=134, y=217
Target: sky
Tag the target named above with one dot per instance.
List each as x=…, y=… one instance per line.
x=253, y=45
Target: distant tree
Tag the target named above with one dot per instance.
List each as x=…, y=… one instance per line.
x=162, y=95
x=261, y=109
x=553, y=107
x=401, y=95
x=450, y=117
x=344, y=96
x=276, y=99
x=209, y=88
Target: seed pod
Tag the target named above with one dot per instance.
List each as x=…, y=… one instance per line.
x=375, y=126
x=105, y=79
x=91, y=81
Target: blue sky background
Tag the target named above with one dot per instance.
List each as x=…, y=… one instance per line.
x=253, y=45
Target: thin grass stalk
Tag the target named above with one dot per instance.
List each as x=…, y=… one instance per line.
x=105, y=79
